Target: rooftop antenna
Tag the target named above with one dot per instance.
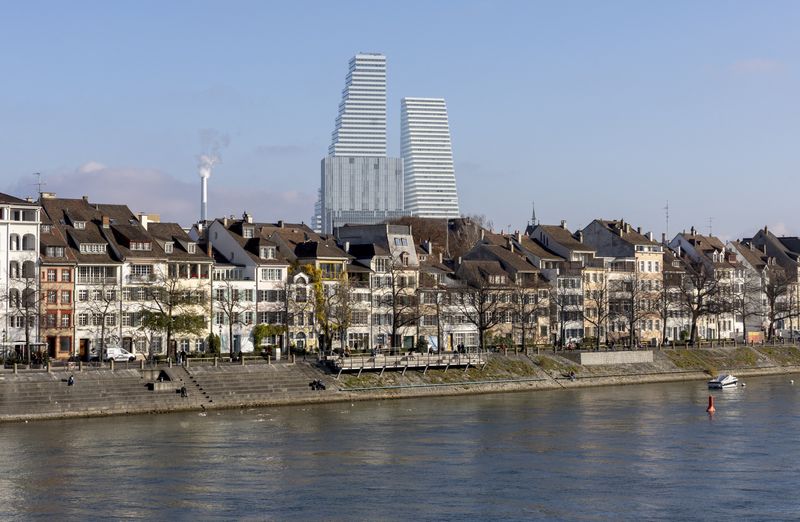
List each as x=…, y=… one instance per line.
x=39, y=183
x=710, y=226
x=666, y=216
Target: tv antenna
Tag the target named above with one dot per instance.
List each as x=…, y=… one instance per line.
x=710, y=226
x=666, y=216
x=39, y=183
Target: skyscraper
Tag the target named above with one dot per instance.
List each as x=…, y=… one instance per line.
x=359, y=184
x=430, y=180
x=361, y=123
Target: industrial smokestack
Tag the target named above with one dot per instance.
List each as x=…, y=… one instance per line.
x=205, y=163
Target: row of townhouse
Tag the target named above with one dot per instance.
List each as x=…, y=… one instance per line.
x=80, y=276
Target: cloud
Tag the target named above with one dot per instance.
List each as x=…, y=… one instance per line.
x=154, y=191
x=758, y=66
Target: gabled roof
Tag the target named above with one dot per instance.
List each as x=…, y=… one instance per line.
x=539, y=250
x=174, y=233
x=8, y=199
x=626, y=232
x=565, y=238
x=754, y=257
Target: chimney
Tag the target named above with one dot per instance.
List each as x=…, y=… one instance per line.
x=225, y=222
x=766, y=230
x=280, y=223
x=579, y=236
x=691, y=230
x=440, y=257
x=209, y=249
x=106, y=222
x=48, y=195
x=764, y=248
x=143, y=219
x=347, y=246
x=663, y=238
x=482, y=233
x=627, y=228
x=510, y=243
x=85, y=198
x=247, y=217
x=519, y=237
x=650, y=236
x=429, y=247
x=564, y=224
x=679, y=251
x=638, y=230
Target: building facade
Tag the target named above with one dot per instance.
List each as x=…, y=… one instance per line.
x=430, y=181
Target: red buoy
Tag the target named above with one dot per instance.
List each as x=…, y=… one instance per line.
x=711, y=408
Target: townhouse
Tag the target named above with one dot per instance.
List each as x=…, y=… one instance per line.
x=19, y=260
x=634, y=263
x=726, y=276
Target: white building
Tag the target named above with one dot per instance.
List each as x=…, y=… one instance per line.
x=359, y=183
x=19, y=235
x=430, y=180
x=361, y=123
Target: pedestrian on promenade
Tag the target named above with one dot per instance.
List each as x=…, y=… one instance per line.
x=71, y=380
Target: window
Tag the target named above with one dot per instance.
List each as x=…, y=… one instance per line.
x=54, y=251
x=83, y=295
x=219, y=318
x=66, y=275
x=271, y=274
x=65, y=344
x=191, y=248
x=79, y=225
x=247, y=232
x=168, y=248
x=97, y=320
x=66, y=320
x=97, y=295
x=93, y=248
x=141, y=245
x=83, y=319
x=66, y=296
x=52, y=296
x=381, y=264
x=51, y=275
x=111, y=320
x=50, y=320
x=141, y=270
x=267, y=252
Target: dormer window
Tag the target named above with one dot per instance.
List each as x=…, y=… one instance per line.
x=93, y=248
x=79, y=225
x=247, y=232
x=45, y=229
x=191, y=248
x=267, y=252
x=168, y=247
x=141, y=246
x=381, y=264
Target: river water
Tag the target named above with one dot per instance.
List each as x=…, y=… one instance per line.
x=647, y=451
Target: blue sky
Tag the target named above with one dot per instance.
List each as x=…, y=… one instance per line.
x=592, y=109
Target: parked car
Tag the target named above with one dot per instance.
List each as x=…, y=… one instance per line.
x=117, y=354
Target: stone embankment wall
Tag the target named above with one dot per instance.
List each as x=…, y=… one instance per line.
x=32, y=394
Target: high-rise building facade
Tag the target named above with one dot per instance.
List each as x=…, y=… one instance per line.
x=430, y=180
x=361, y=123
x=359, y=183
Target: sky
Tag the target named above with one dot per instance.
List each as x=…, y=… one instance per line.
x=589, y=109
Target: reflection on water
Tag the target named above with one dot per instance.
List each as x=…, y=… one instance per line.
x=594, y=454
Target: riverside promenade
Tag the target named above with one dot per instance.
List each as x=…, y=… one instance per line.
x=133, y=388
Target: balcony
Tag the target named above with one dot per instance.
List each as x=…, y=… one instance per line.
x=143, y=278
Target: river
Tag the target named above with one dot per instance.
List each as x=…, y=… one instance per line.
x=629, y=452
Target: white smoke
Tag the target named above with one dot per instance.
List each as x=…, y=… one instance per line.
x=212, y=142
x=205, y=163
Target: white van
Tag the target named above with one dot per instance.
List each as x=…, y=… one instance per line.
x=117, y=354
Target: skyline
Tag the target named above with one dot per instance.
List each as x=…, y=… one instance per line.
x=638, y=105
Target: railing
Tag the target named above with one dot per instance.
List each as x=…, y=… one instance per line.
x=410, y=360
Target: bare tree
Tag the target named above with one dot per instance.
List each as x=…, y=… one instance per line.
x=25, y=302
x=229, y=302
x=746, y=302
x=402, y=299
x=777, y=291
x=698, y=293
x=481, y=303
x=567, y=306
x=101, y=304
x=527, y=308
x=597, y=311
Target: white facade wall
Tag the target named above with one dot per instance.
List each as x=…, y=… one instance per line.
x=430, y=181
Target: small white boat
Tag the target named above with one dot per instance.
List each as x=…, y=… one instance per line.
x=723, y=381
